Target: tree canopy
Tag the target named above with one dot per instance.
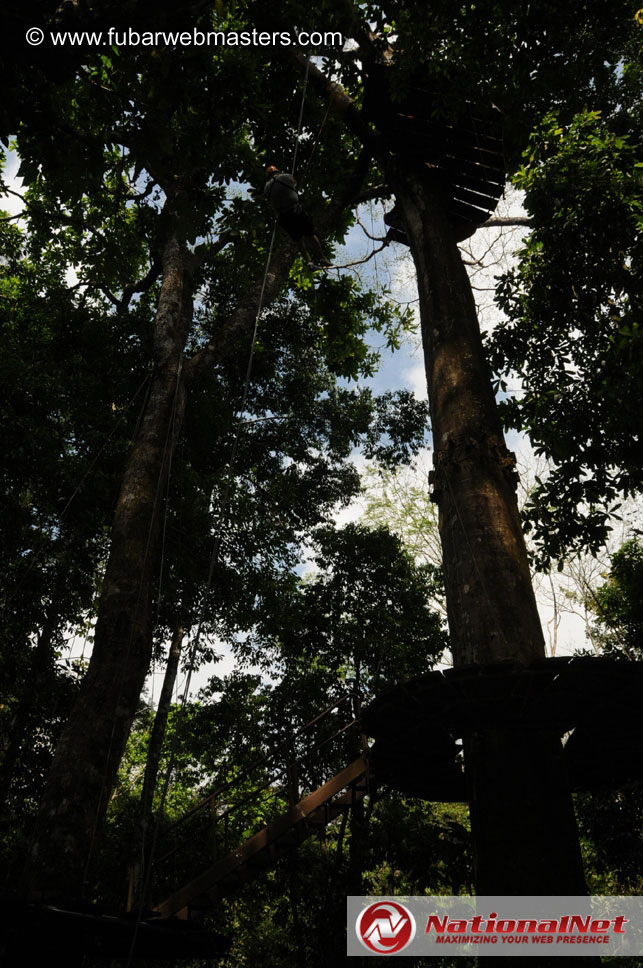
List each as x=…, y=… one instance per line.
x=572, y=326
x=138, y=281
x=616, y=604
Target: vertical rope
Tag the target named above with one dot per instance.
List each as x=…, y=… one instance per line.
x=215, y=554
x=301, y=117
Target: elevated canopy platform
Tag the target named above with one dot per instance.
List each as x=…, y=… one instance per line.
x=462, y=146
x=593, y=704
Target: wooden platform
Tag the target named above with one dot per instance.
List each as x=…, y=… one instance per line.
x=464, y=146
x=32, y=932
x=417, y=724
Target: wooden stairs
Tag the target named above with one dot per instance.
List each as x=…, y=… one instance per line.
x=263, y=849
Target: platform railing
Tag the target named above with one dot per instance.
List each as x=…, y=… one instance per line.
x=217, y=819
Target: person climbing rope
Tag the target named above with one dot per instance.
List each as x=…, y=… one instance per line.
x=281, y=191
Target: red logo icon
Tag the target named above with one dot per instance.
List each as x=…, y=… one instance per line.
x=385, y=927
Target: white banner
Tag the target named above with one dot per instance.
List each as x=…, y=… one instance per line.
x=518, y=927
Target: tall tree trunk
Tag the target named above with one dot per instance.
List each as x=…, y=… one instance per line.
x=524, y=834
x=90, y=748
x=87, y=755
x=152, y=764
x=490, y=601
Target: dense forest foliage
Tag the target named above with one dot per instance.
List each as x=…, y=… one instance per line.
x=184, y=403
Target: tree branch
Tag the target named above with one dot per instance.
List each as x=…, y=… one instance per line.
x=375, y=238
x=341, y=104
x=508, y=220
x=241, y=320
x=106, y=292
x=378, y=191
x=213, y=248
x=143, y=285
x=10, y=191
x=240, y=323
x=367, y=258
x=372, y=47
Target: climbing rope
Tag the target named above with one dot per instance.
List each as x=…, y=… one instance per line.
x=168, y=449
x=301, y=117
x=225, y=504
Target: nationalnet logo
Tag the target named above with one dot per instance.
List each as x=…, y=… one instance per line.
x=569, y=929
x=495, y=926
x=385, y=928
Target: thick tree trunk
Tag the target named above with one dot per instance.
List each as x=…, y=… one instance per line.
x=91, y=746
x=490, y=602
x=87, y=756
x=524, y=834
x=525, y=839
